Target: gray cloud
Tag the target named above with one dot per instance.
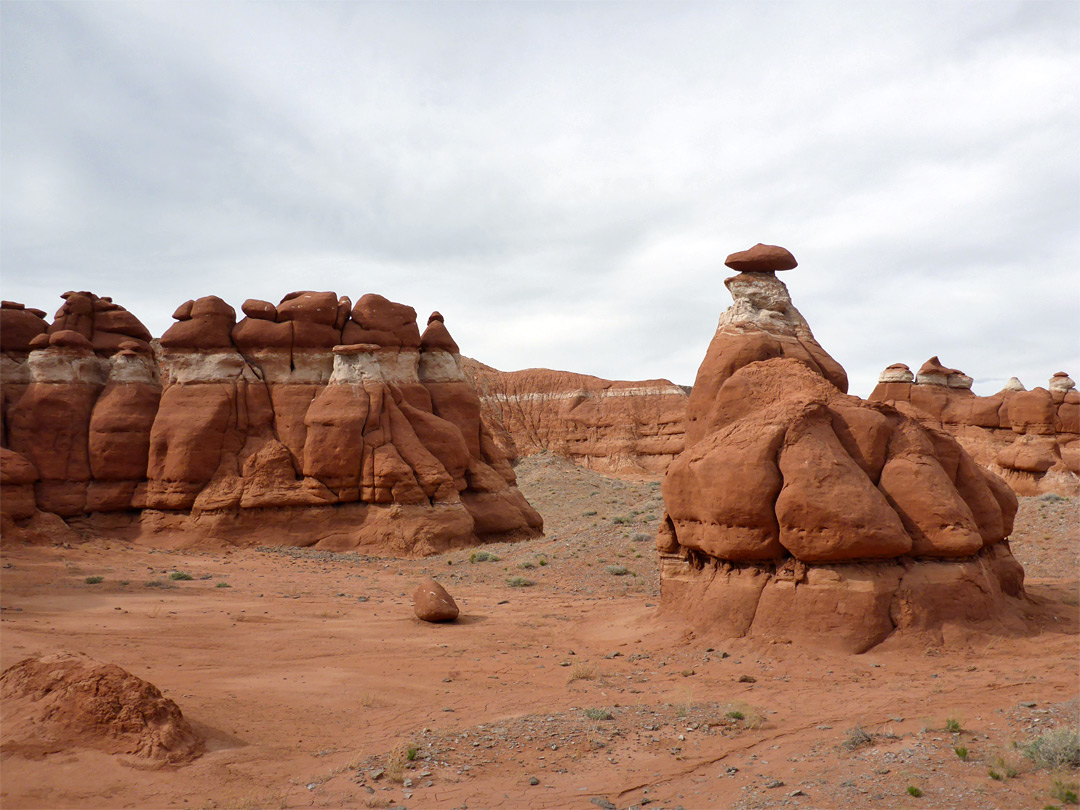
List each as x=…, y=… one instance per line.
x=562, y=180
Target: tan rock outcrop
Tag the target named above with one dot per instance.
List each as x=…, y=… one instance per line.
x=268, y=430
x=610, y=426
x=1030, y=438
x=799, y=511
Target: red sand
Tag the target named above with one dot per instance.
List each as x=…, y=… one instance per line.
x=304, y=692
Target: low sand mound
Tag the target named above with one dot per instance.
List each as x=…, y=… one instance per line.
x=68, y=700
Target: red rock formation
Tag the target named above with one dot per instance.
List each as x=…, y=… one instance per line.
x=801, y=512
x=66, y=701
x=272, y=425
x=610, y=426
x=1030, y=438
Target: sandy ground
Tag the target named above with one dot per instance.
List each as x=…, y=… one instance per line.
x=312, y=680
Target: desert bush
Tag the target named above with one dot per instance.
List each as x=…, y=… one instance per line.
x=640, y=537
x=857, y=738
x=1059, y=748
x=589, y=513
x=961, y=752
x=180, y=576
x=1052, y=497
x=398, y=760
x=953, y=725
x=94, y=580
x=622, y=520
x=618, y=570
x=583, y=672
x=483, y=556
x=223, y=585
x=598, y=714
x=519, y=582
x=914, y=791
x=743, y=713
x=158, y=583
x=527, y=565
x=1065, y=792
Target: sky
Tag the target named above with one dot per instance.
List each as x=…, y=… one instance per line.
x=562, y=180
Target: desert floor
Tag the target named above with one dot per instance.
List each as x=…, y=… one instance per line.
x=310, y=677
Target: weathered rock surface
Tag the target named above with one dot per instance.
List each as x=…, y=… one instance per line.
x=1030, y=438
x=432, y=603
x=799, y=511
x=269, y=430
x=605, y=425
x=66, y=701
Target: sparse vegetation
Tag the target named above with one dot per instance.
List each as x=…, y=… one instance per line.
x=1065, y=792
x=743, y=713
x=520, y=582
x=483, y=556
x=158, y=583
x=1059, y=748
x=997, y=777
x=961, y=752
x=598, y=714
x=527, y=565
x=952, y=725
x=618, y=570
x=94, y=580
x=914, y=791
x=398, y=760
x=583, y=672
x=640, y=537
x=590, y=513
x=180, y=576
x=223, y=585
x=857, y=738
x=622, y=520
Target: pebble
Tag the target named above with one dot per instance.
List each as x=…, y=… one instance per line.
x=775, y=783
x=533, y=780
x=604, y=803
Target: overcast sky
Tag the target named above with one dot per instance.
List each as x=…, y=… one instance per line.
x=562, y=180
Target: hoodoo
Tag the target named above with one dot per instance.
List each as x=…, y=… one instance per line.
x=1030, y=438
x=309, y=422
x=799, y=512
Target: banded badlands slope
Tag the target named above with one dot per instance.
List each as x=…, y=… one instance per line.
x=312, y=422
x=799, y=512
x=612, y=426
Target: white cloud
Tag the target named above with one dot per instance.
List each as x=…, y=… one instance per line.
x=562, y=180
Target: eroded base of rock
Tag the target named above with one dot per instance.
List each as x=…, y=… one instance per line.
x=847, y=606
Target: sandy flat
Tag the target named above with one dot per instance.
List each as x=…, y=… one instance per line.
x=312, y=680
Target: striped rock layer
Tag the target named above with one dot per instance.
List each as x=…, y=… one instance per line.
x=312, y=422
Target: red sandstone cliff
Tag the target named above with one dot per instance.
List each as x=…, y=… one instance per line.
x=1030, y=438
x=610, y=426
x=309, y=422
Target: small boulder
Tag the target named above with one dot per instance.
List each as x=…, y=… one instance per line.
x=432, y=603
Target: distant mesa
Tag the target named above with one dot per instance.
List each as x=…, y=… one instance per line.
x=310, y=422
x=762, y=259
x=612, y=426
x=799, y=512
x=1030, y=438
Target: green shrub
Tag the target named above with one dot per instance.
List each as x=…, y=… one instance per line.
x=519, y=582
x=598, y=714
x=94, y=580
x=997, y=777
x=590, y=513
x=180, y=576
x=1065, y=792
x=483, y=556
x=735, y=715
x=914, y=791
x=223, y=585
x=622, y=520
x=1059, y=748
x=952, y=725
x=961, y=751
x=618, y=570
